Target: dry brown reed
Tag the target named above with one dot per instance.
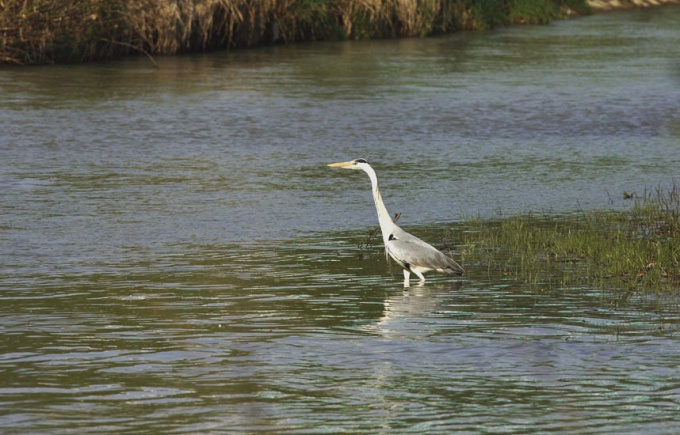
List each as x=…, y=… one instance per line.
x=51, y=31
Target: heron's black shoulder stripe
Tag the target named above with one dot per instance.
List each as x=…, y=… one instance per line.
x=392, y=237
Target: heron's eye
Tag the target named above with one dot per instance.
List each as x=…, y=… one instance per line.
x=360, y=161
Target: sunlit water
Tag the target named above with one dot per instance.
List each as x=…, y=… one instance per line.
x=176, y=257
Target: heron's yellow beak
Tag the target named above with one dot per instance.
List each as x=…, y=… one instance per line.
x=341, y=165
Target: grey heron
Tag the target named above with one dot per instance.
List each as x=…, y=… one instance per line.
x=411, y=253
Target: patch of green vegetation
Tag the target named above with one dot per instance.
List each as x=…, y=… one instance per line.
x=488, y=14
x=532, y=11
x=636, y=251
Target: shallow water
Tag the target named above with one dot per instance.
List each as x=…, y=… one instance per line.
x=177, y=257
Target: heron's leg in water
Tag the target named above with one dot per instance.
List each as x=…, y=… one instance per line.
x=407, y=276
x=420, y=275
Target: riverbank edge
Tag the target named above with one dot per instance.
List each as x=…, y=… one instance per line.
x=65, y=31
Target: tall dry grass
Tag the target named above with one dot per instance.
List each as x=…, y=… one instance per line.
x=51, y=31
x=35, y=31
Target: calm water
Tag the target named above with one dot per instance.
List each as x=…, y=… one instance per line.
x=176, y=257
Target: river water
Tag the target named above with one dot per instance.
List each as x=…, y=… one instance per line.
x=177, y=258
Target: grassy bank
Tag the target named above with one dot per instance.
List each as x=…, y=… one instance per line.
x=633, y=252
x=58, y=31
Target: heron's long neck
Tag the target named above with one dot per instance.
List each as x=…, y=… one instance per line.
x=386, y=224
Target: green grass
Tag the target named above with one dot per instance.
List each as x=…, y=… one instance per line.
x=635, y=251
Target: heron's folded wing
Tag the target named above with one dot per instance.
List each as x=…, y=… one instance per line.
x=413, y=254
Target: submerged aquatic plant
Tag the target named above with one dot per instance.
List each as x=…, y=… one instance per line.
x=634, y=251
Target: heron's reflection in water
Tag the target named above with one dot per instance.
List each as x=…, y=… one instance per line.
x=416, y=311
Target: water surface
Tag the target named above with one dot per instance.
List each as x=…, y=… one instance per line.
x=176, y=256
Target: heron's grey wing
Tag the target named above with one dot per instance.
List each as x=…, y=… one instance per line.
x=410, y=251
x=402, y=235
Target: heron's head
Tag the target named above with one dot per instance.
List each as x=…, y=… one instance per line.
x=352, y=164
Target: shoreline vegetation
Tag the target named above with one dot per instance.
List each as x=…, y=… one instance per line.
x=34, y=32
x=634, y=252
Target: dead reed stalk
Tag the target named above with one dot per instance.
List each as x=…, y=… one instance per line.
x=52, y=31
